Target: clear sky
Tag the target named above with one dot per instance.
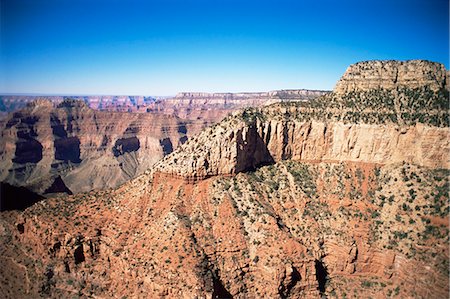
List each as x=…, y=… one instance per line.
x=162, y=47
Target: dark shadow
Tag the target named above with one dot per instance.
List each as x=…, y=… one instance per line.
x=28, y=151
x=253, y=152
x=321, y=276
x=125, y=145
x=21, y=228
x=219, y=291
x=66, y=267
x=16, y=198
x=68, y=149
x=133, y=129
x=286, y=290
x=166, y=145
x=58, y=186
x=182, y=129
x=57, y=127
x=183, y=139
x=78, y=255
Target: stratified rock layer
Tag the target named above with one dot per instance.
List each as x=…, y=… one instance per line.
x=345, y=196
x=235, y=146
x=86, y=149
x=391, y=74
x=379, y=125
x=182, y=103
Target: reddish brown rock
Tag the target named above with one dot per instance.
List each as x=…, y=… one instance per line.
x=289, y=201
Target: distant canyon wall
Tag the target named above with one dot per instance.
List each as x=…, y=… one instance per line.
x=88, y=149
x=166, y=104
x=54, y=140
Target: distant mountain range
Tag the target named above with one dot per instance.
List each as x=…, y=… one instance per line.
x=125, y=103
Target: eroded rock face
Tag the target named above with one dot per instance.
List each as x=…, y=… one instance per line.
x=369, y=124
x=353, y=203
x=235, y=145
x=183, y=104
x=90, y=149
x=83, y=148
x=390, y=74
x=287, y=230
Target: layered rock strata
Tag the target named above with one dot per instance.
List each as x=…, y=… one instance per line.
x=380, y=126
x=83, y=148
x=390, y=74
x=268, y=203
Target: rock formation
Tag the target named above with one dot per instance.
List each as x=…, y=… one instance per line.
x=85, y=149
x=364, y=125
x=182, y=102
x=82, y=148
x=343, y=196
x=391, y=74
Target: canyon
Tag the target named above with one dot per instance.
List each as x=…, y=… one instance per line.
x=342, y=195
x=185, y=101
x=85, y=143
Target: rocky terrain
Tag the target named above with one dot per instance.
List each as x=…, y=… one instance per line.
x=57, y=145
x=181, y=104
x=344, y=196
x=390, y=74
x=12, y=103
x=76, y=148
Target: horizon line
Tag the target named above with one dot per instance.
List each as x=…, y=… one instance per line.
x=147, y=95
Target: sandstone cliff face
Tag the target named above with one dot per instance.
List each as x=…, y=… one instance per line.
x=236, y=146
x=391, y=74
x=88, y=149
x=288, y=230
x=257, y=137
x=334, y=197
x=369, y=124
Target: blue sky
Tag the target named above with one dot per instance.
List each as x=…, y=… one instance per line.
x=162, y=47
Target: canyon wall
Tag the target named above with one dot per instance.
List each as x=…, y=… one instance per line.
x=55, y=144
x=229, y=149
x=342, y=196
x=87, y=149
x=367, y=118
x=166, y=104
x=390, y=74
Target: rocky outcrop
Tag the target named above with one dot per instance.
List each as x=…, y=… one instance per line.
x=293, y=200
x=88, y=149
x=391, y=74
x=229, y=149
x=377, y=126
x=287, y=230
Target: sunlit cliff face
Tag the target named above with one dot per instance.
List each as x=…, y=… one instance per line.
x=343, y=196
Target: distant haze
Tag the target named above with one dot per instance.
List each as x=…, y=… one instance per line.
x=166, y=46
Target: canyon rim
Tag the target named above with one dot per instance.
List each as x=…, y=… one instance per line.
x=341, y=194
